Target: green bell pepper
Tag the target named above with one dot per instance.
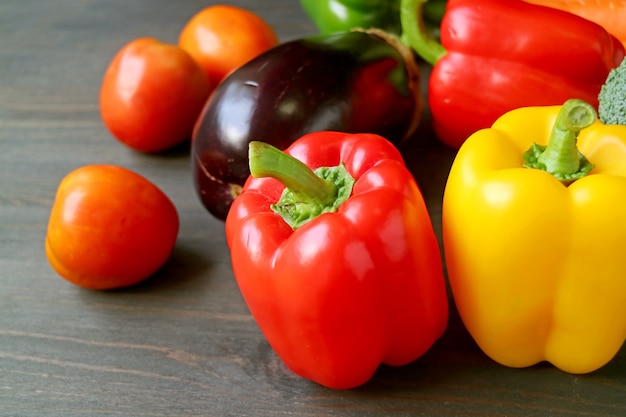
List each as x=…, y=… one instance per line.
x=331, y=16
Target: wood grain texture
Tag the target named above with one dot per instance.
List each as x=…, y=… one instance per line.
x=183, y=342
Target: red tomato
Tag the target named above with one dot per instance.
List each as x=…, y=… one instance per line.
x=221, y=38
x=109, y=227
x=152, y=94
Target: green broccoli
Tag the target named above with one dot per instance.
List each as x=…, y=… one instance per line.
x=612, y=97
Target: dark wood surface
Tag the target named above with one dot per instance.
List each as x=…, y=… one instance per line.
x=183, y=342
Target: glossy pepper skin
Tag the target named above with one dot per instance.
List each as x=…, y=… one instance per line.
x=536, y=266
x=349, y=289
x=332, y=16
x=496, y=56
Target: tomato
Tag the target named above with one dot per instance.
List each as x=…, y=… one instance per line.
x=221, y=38
x=152, y=94
x=109, y=227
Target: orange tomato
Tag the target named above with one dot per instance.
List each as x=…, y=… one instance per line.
x=221, y=38
x=109, y=227
x=152, y=94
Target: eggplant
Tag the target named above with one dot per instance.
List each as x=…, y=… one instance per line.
x=356, y=82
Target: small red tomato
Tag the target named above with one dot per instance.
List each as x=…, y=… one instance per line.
x=109, y=227
x=152, y=94
x=222, y=38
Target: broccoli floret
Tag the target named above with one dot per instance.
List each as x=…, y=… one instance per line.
x=612, y=97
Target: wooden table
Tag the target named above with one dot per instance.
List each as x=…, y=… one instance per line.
x=183, y=343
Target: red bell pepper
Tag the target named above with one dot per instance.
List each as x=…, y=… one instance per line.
x=341, y=270
x=496, y=56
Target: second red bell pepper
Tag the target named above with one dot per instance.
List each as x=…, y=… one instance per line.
x=496, y=56
x=341, y=270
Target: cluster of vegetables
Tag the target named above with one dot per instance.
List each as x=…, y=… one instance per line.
x=110, y=227
x=331, y=243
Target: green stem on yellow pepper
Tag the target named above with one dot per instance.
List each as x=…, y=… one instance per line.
x=308, y=192
x=415, y=33
x=561, y=157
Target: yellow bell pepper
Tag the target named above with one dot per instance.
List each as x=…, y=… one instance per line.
x=537, y=266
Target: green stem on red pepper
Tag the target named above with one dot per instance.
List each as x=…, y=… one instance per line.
x=561, y=157
x=308, y=193
x=416, y=34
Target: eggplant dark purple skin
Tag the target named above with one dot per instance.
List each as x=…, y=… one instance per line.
x=356, y=82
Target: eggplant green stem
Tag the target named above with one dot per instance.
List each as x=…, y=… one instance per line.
x=561, y=157
x=416, y=34
x=308, y=193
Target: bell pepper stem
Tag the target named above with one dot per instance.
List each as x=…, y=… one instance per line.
x=561, y=157
x=269, y=161
x=308, y=193
x=416, y=34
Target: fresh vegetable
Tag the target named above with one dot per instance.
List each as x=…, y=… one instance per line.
x=350, y=81
x=342, y=270
x=612, y=97
x=151, y=95
x=109, y=227
x=496, y=56
x=221, y=38
x=610, y=14
x=535, y=254
x=331, y=16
